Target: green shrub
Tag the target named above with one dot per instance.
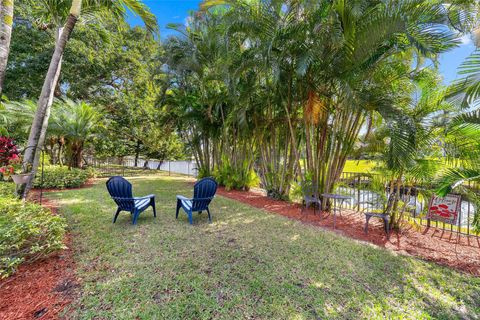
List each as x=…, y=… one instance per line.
x=7, y=189
x=203, y=172
x=27, y=232
x=61, y=177
x=238, y=178
x=91, y=172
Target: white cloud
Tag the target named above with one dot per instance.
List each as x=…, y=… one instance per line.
x=466, y=40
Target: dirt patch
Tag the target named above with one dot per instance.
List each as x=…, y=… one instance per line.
x=443, y=247
x=42, y=289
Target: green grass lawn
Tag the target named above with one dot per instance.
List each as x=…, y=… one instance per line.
x=247, y=264
x=363, y=166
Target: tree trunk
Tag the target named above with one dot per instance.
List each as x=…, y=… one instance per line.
x=51, y=151
x=137, y=153
x=6, y=25
x=160, y=162
x=61, y=143
x=77, y=155
x=42, y=114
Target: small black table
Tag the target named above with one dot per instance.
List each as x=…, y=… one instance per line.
x=336, y=197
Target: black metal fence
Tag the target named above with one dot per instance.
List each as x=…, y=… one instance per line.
x=365, y=196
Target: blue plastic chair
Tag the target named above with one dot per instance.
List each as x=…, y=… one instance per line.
x=121, y=192
x=203, y=193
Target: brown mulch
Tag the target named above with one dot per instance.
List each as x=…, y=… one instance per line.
x=443, y=247
x=42, y=289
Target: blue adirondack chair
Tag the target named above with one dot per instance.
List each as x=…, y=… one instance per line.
x=121, y=192
x=203, y=193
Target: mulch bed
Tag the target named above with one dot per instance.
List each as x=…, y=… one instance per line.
x=42, y=289
x=443, y=247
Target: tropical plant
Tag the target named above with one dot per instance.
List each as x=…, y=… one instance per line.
x=60, y=8
x=28, y=232
x=17, y=118
x=9, y=157
x=75, y=123
x=61, y=177
x=261, y=74
x=6, y=25
x=407, y=145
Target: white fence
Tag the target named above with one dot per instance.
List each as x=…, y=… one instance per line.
x=119, y=166
x=181, y=167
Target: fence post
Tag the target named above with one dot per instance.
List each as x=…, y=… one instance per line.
x=358, y=193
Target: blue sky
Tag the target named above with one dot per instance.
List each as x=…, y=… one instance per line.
x=171, y=11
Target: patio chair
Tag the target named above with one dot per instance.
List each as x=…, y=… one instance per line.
x=310, y=196
x=203, y=193
x=385, y=215
x=121, y=192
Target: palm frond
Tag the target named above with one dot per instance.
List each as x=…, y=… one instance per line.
x=466, y=90
x=454, y=178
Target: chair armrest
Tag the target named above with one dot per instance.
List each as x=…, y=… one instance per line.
x=179, y=197
x=201, y=199
x=120, y=198
x=145, y=197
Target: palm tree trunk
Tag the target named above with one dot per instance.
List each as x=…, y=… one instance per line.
x=61, y=143
x=6, y=24
x=40, y=121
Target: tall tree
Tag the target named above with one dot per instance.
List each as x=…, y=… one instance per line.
x=40, y=122
x=6, y=25
x=318, y=69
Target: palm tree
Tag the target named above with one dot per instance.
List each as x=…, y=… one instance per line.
x=40, y=122
x=410, y=157
x=6, y=24
x=18, y=115
x=332, y=63
x=75, y=122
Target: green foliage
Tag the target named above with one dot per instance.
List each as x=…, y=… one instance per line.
x=203, y=172
x=122, y=78
x=238, y=178
x=91, y=172
x=75, y=123
x=258, y=78
x=27, y=232
x=30, y=53
x=7, y=189
x=466, y=90
x=61, y=177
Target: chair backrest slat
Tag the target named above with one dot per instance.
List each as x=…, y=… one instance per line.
x=309, y=190
x=119, y=187
x=205, y=188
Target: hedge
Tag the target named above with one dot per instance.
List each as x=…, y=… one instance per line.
x=61, y=177
x=27, y=232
